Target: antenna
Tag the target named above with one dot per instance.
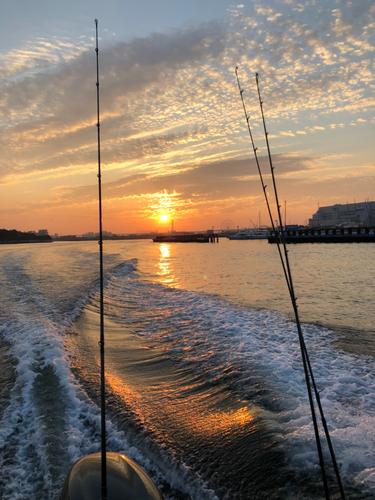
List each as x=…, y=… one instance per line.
x=101, y=342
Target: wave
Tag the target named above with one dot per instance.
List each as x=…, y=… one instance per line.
x=51, y=420
x=256, y=353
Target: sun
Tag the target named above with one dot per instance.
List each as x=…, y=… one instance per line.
x=163, y=218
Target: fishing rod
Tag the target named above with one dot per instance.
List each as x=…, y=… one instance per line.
x=101, y=342
x=280, y=241
x=294, y=302
x=264, y=186
x=116, y=475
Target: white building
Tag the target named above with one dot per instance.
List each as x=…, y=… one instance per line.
x=351, y=214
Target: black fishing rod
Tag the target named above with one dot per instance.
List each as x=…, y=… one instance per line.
x=280, y=241
x=101, y=342
x=306, y=364
x=113, y=473
x=264, y=186
x=305, y=356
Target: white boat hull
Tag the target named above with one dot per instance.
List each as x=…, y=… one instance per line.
x=125, y=480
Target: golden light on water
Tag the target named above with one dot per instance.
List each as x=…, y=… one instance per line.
x=186, y=414
x=222, y=422
x=165, y=251
x=165, y=270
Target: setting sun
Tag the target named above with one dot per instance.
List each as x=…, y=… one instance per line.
x=163, y=218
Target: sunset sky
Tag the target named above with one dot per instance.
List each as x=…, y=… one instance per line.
x=174, y=137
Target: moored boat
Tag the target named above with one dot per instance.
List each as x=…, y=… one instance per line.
x=249, y=235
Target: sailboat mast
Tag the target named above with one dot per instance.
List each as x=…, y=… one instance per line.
x=285, y=215
x=101, y=343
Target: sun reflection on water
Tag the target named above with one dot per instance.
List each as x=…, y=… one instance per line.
x=222, y=422
x=165, y=271
x=189, y=415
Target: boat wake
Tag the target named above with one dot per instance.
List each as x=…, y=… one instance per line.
x=202, y=393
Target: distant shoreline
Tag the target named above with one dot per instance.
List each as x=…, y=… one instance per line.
x=16, y=242
x=9, y=237
x=146, y=236
x=106, y=238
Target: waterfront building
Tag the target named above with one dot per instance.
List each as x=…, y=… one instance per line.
x=351, y=214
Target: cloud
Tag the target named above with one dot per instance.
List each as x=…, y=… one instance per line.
x=171, y=118
x=290, y=134
x=39, y=55
x=214, y=180
x=49, y=117
x=208, y=192
x=167, y=82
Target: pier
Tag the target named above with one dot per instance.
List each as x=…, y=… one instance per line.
x=328, y=235
x=187, y=238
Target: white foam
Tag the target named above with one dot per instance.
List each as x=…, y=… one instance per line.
x=37, y=342
x=220, y=340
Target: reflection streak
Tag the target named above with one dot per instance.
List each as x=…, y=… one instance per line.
x=165, y=271
x=189, y=414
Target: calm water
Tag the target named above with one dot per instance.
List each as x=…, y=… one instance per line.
x=204, y=377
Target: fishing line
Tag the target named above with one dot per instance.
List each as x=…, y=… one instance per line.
x=280, y=241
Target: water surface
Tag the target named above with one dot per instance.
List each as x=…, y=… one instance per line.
x=205, y=385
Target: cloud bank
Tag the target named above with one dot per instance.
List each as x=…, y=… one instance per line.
x=172, y=120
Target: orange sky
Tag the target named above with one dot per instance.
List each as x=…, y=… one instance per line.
x=174, y=139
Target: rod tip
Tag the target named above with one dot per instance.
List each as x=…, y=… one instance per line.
x=95, y=21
